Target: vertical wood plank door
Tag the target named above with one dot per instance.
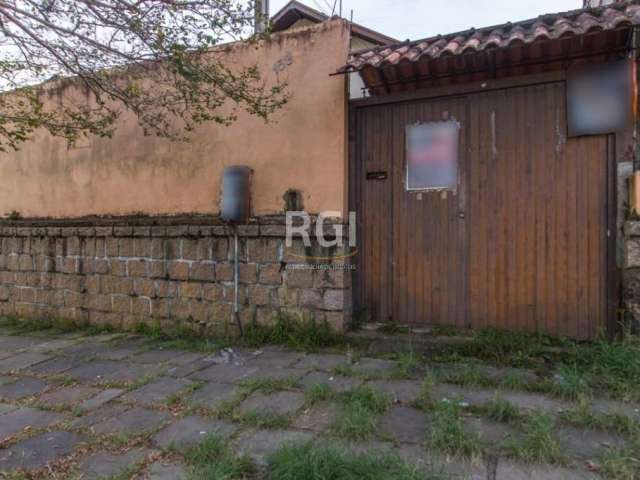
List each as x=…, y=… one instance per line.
x=520, y=244
x=537, y=216
x=429, y=242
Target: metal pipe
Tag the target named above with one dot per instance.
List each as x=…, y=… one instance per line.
x=236, y=278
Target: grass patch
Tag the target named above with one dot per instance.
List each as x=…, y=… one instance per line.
x=581, y=415
x=538, y=444
x=299, y=334
x=177, y=398
x=425, y=398
x=606, y=366
x=212, y=460
x=311, y=462
x=318, y=393
x=269, y=421
x=570, y=383
x=392, y=328
x=501, y=410
x=268, y=385
x=358, y=419
x=447, y=432
x=466, y=375
x=621, y=464
x=345, y=370
x=52, y=326
x=407, y=364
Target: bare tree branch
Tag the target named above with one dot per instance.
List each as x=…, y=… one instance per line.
x=152, y=57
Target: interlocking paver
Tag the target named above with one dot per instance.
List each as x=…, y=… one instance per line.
x=6, y=408
x=118, y=412
x=51, y=346
x=189, y=431
x=477, y=397
x=17, y=343
x=36, y=452
x=55, y=366
x=157, y=392
x=587, y=444
x=272, y=373
x=337, y=383
x=449, y=467
x=101, y=399
x=98, y=416
x=17, y=420
x=318, y=418
x=160, y=471
x=180, y=371
x=405, y=424
x=21, y=361
x=86, y=349
x=172, y=357
x=225, y=373
x=493, y=434
x=508, y=470
x=133, y=372
x=67, y=396
x=321, y=361
x=93, y=372
x=118, y=353
x=260, y=443
x=21, y=388
x=275, y=358
x=279, y=403
x=374, y=367
x=213, y=395
x=399, y=391
x=102, y=465
x=136, y=420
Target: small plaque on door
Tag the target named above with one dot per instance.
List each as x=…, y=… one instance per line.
x=377, y=175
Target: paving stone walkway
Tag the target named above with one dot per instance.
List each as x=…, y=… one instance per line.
x=97, y=406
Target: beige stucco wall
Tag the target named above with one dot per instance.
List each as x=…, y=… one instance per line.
x=304, y=149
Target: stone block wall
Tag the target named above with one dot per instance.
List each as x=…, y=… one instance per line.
x=124, y=275
x=631, y=273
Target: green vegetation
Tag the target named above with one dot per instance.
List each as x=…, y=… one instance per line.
x=213, y=460
x=270, y=421
x=268, y=385
x=621, y=464
x=296, y=333
x=538, y=443
x=407, y=363
x=466, y=375
x=310, y=462
x=425, y=400
x=320, y=392
x=447, y=432
x=501, y=410
x=579, y=368
x=570, y=383
x=392, y=328
x=301, y=334
x=581, y=415
x=360, y=408
x=52, y=326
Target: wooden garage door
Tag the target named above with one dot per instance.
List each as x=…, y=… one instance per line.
x=520, y=244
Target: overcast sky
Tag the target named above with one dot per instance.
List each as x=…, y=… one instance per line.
x=415, y=19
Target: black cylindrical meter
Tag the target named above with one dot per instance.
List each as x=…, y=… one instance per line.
x=236, y=209
x=236, y=194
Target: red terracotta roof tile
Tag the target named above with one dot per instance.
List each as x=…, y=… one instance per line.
x=544, y=28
